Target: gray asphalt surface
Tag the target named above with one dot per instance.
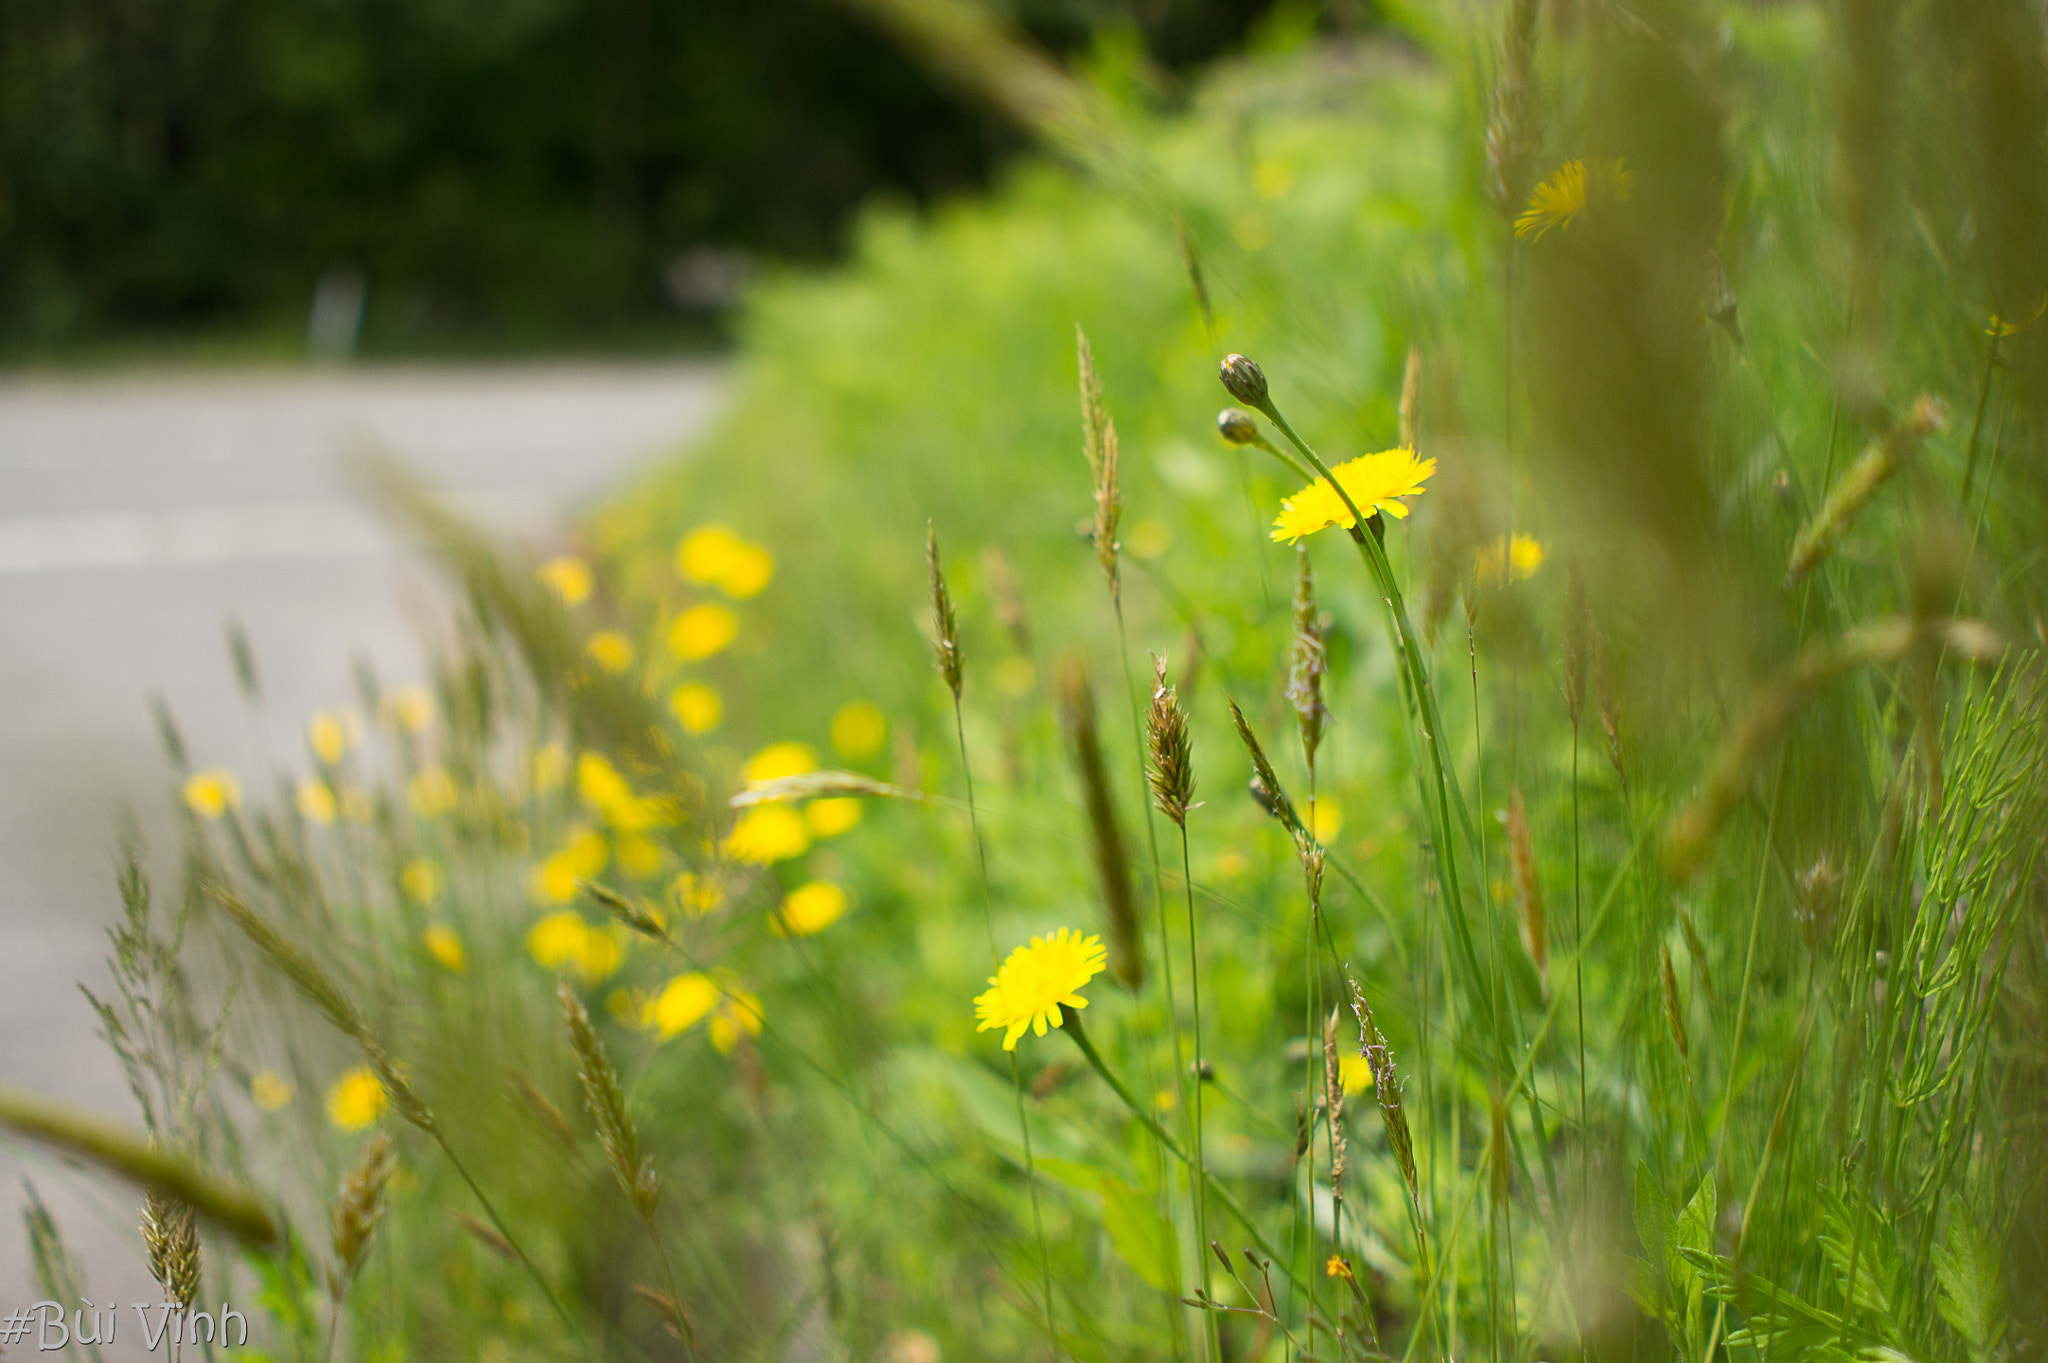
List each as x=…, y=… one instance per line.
x=136, y=516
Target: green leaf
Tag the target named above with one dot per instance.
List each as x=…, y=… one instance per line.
x=1655, y=1220
x=1972, y=1290
x=1140, y=1235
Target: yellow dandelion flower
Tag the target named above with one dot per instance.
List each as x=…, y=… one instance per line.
x=212, y=793
x=445, y=947
x=601, y=787
x=702, y=631
x=410, y=708
x=682, y=1004
x=1032, y=984
x=421, y=879
x=830, y=818
x=639, y=856
x=749, y=573
x=698, y=708
x=431, y=792
x=1523, y=555
x=331, y=733
x=717, y=555
x=739, y=1012
x=316, y=802
x=550, y=766
x=1327, y=821
x=268, y=1091
x=356, y=1099
x=858, y=730
x=1566, y=192
x=778, y=760
x=1375, y=482
x=768, y=833
x=610, y=650
x=567, y=577
x=587, y=852
x=601, y=954
x=557, y=939
x=693, y=894
x=1355, y=1073
x=1337, y=1268
x=811, y=908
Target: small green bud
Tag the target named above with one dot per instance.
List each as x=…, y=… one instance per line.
x=1237, y=426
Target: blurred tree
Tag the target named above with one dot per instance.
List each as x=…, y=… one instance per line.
x=505, y=172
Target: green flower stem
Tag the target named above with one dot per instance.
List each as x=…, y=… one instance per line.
x=1070, y=1023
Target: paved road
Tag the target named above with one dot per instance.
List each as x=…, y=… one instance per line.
x=136, y=515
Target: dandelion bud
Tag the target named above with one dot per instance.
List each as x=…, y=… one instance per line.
x=1237, y=426
x=1244, y=380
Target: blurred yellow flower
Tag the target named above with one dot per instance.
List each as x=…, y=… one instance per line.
x=1327, y=820
x=550, y=766
x=564, y=941
x=410, y=708
x=1273, y=179
x=1524, y=554
x=768, y=833
x=421, y=879
x=1355, y=1072
x=781, y=759
x=587, y=851
x=698, y=708
x=567, y=577
x=693, y=894
x=1032, y=984
x=268, y=1091
x=717, y=555
x=554, y=880
x=639, y=856
x=1336, y=1267
x=610, y=650
x=1375, y=482
x=683, y=1003
x=739, y=1012
x=1148, y=539
x=445, y=947
x=830, y=818
x=331, y=733
x=702, y=631
x=1566, y=191
x=858, y=730
x=316, y=801
x=1230, y=864
x=811, y=908
x=356, y=1099
x=606, y=791
x=213, y=792
x=431, y=792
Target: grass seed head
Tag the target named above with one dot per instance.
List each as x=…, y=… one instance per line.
x=1172, y=772
x=170, y=1232
x=1411, y=383
x=1307, y=661
x=1099, y=441
x=358, y=1207
x=945, y=628
x=606, y=1100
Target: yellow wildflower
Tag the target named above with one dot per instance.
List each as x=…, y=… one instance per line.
x=682, y=1004
x=268, y=1091
x=858, y=730
x=431, y=792
x=567, y=577
x=1355, y=1073
x=564, y=940
x=1035, y=981
x=1375, y=482
x=410, y=708
x=1524, y=555
x=738, y=1012
x=421, y=879
x=601, y=786
x=550, y=766
x=781, y=759
x=587, y=851
x=331, y=733
x=356, y=1099
x=698, y=708
x=811, y=908
x=445, y=947
x=1337, y=1268
x=1566, y=191
x=610, y=650
x=693, y=894
x=715, y=554
x=768, y=833
x=316, y=802
x=830, y=818
x=213, y=792
x=702, y=631
x=639, y=856
x=1327, y=821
